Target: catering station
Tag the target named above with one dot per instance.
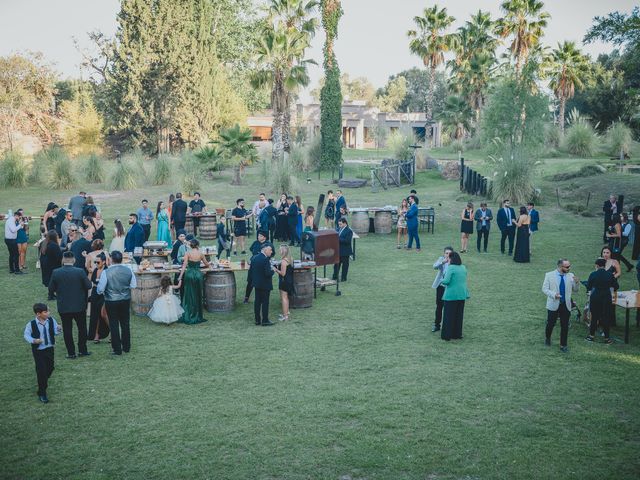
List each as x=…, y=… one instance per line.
x=382, y=220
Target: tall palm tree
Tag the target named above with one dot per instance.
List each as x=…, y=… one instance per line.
x=524, y=21
x=279, y=54
x=568, y=67
x=430, y=42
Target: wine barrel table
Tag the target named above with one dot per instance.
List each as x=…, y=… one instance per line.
x=156, y=258
x=360, y=222
x=146, y=291
x=188, y=226
x=303, y=288
x=219, y=291
x=382, y=222
x=207, y=228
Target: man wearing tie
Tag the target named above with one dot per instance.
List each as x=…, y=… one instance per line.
x=261, y=276
x=483, y=217
x=506, y=223
x=345, y=236
x=558, y=286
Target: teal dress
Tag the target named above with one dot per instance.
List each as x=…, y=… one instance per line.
x=164, y=234
x=192, y=299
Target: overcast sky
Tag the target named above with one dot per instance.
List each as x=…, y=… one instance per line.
x=372, y=38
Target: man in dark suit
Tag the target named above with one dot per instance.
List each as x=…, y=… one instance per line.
x=340, y=203
x=179, y=212
x=292, y=221
x=267, y=219
x=483, y=217
x=507, y=224
x=345, y=237
x=135, y=236
x=610, y=208
x=79, y=245
x=261, y=274
x=71, y=286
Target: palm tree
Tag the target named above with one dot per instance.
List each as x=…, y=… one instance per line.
x=567, y=70
x=279, y=53
x=456, y=116
x=430, y=43
x=525, y=21
x=235, y=146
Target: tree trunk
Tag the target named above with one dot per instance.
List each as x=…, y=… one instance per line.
x=429, y=103
x=163, y=140
x=277, y=145
x=563, y=102
x=236, y=180
x=286, y=126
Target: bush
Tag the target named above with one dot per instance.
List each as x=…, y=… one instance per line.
x=299, y=159
x=211, y=158
x=135, y=161
x=619, y=139
x=473, y=143
x=513, y=175
x=13, y=171
x=62, y=176
x=283, y=178
x=586, y=171
x=399, y=143
x=457, y=146
x=581, y=139
x=94, y=169
x=314, y=153
x=161, y=170
x=192, y=171
x=124, y=177
x=552, y=136
x=43, y=163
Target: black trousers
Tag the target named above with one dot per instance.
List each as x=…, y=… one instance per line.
x=179, y=225
x=119, y=314
x=552, y=317
x=146, y=227
x=599, y=314
x=12, y=246
x=483, y=233
x=44, y=368
x=344, y=263
x=293, y=234
x=196, y=224
x=261, y=305
x=249, y=289
x=620, y=257
x=507, y=233
x=439, y=305
x=67, y=331
x=452, y=321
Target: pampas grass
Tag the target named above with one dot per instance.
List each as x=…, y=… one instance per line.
x=161, y=170
x=13, y=171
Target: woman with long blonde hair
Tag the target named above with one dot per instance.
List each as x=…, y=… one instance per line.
x=285, y=280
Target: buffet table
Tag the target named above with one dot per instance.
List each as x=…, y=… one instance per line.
x=627, y=299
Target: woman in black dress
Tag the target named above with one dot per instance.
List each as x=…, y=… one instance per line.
x=50, y=256
x=521, y=253
x=98, y=321
x=282, y=225
x=285, y=280
x=466, y=227
x=599, y=285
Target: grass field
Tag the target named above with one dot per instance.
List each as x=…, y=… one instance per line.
x=356, y=387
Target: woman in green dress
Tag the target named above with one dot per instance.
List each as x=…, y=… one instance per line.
x=193, y=283
x=162, y=214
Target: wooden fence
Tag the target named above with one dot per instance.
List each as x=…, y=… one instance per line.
x=472, y=182
x=393, y=173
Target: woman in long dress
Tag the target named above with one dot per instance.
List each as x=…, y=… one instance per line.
x=402, y=223
x=166, y=308
x=521, y=253
x=300, y=222
x=282, y=226
x=98, y=321
x=117, y=243
x=50, y=256
x=193, y=284
x=162, y=214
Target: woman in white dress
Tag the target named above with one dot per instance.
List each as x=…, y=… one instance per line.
x=166, y=308
x=118, y=237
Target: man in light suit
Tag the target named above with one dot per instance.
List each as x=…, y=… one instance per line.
x=483, y=217
x=507, y=224
x=558, y=286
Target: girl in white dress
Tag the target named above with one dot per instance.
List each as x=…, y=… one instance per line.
x=166, y=308
x=118, y=237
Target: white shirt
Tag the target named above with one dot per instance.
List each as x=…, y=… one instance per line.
x=41, y=329
x=508, y=212
x=256, y=208
x=11, y=229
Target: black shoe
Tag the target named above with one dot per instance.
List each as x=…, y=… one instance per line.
x=485, y=250
x=478, y=250
x=85, y=354
x=71, y=357
x=589, y=338
x=115, y=353
x=43, y=398
x=564, y=349
x=24, y=273
x=343, y=279
x=267, y=324
x=435, y=328
x=547, y=342
x=244, y=252
x=246, y=300
x=258, y=323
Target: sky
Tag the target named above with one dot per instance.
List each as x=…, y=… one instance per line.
x=372, y=40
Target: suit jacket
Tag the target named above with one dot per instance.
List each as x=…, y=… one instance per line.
x=412, y=216
x=478, y=218
x=341, y=202
x=179, y=211
x=261, y=272
x=345, y=237
x=534, y=217
x=77, y=247
x=268, y=217
x=134, y=238
x=501, y=219
x=71, y=286
x=551, y=287
x=292, y=216
x=599, y=284
x=76, y=205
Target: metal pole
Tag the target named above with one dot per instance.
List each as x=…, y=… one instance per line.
x=461, y=172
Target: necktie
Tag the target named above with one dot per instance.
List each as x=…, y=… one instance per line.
x=44, y=330
x=508, y=216
x=562, y=288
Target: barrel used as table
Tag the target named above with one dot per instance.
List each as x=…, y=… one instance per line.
x=303, y=288
x=188, y=226
x=382, y=222
x=219, y=291
x=360, y=222
x=207, y=228
x=146, y=291
x=157, y=258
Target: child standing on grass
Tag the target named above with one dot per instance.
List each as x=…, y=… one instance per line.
x=166, y=308
x=40, y=333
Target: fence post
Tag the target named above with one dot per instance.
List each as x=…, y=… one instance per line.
x=461, y=172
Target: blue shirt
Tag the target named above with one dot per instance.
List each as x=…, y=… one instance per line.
x=43, y=328
x=145, y=215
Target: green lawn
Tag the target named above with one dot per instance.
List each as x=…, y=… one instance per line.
x=355, y=387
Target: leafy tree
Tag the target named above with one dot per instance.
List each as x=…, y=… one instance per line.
x=617, y=28
x=82, y=124
x=417, y=88
x=430, y=43
x=390, y=98
x=236, y=147
x=359, y=88
x=331, y=95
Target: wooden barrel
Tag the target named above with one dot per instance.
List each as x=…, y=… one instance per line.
x=303, y=285
x=188, y=226
x=382, y=222
x=360, y=223
x=219, y=291
x=146, y=291
x=157, y=258
x=207, y=228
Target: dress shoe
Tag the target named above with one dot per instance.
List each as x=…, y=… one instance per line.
x=547, y=342
x=258, y=323
x=71, y=357
x=267, y=324
x=85, y=354
x=564, y=349
x=116, y=353
x=435, y=328
x=246, y=300
x=43, y=398
x=24, y=273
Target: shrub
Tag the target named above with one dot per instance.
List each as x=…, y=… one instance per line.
x=135, y=161
x=42, y=164
x=314, y=152
x=619, y=139
x=124, y=177
x=399, y=143
x=457, y=146
x=586, y=171
x=299, y=159
x=192, y=171
x=581, y=139
x=552, y=136
x=161, y=170
x=62, y=176
x=513, y=175
x=282, y=178
x=211, y=158
x=94, y=169
x=13, y=171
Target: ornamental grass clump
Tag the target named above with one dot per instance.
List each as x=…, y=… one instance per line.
x=94, y=171
x=124, y=176
x=161, y=170
x=619, y=139
x=581, y=139
x=62, y=175
x=13, y=171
